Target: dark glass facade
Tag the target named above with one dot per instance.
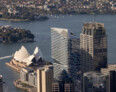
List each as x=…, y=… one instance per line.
x=112, y=81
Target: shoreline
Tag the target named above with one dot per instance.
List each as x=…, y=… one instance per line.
x=19, y=84
x=14, y=19
x=13, y=67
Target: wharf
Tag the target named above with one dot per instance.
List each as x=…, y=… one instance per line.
x=13, y=66
x=19, y=84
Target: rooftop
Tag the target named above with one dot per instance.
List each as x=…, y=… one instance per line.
x=93, y=25
x=94, y=74
x=65, y=32
x=93, y=28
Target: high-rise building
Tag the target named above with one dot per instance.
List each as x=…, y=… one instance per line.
x=65, y=53
x=1, y=84
x=63, y=84
x=56, y=87
x=96, y=82
x=45, y=78
x=93, y=47
x=111, y=71
x=112, y=81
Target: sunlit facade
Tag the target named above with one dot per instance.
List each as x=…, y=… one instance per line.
x=93, y=46
x=45, y=78
x=65, y=53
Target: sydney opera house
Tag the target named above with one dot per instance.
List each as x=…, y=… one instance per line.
x=22, y=59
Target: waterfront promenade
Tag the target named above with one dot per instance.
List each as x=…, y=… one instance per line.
x=13, y=66
x=19, y=84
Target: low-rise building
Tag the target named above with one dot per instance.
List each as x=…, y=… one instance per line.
x=28, y=76
x=22, y=59
x=45, y=78
x=96, y=82
x=24, y=74
x=32, y=79
x=111, y=71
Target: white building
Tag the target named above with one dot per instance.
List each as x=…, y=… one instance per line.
x=66, y=54
x=23, y=56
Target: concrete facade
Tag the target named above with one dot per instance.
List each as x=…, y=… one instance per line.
x=93, y=46
x=96, y=82
x=28, y=76
x=44, y=79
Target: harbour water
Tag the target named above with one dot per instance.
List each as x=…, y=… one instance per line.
x=42, y=32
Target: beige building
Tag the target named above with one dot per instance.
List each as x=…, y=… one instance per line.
x=111, y=67
x=44, y=79
x=56, y=87
x=93, y=46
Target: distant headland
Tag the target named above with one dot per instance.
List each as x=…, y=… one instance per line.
x=14, y=15
x=14, y=35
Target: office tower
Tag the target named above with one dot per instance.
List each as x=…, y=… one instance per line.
x=96, y=82
x=1, y=84
x=93, y=46
x=111, y=71
x=63, y=84
x=44, y=79
x=68, y=87
x=65, y=53
x=56, y=87
x=62, y=87
x=112, y=81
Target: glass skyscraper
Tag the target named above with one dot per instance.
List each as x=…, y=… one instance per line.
x=66, y=53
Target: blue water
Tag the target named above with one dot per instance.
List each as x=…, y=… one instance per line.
x=42, y=32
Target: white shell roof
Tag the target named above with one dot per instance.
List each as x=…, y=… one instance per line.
x=28, y=60
x=37, y=53
x=22, y=55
